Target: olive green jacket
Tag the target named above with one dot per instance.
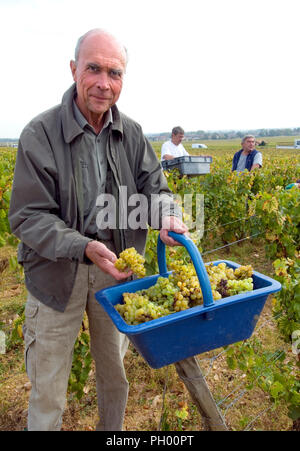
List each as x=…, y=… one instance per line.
x=46, y=209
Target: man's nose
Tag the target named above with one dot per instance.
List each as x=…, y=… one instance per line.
x=103, y=80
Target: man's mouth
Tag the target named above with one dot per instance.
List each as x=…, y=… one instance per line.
x=100, y=98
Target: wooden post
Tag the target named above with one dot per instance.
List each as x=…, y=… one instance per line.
x=190, y=373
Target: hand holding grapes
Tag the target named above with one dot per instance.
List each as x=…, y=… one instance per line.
x=104, y=258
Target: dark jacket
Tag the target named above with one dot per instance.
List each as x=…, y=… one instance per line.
x=249, y=160
x=46, y=209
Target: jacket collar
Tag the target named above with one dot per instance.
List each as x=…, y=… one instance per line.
x=71, y=128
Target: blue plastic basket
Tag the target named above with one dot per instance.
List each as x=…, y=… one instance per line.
x=196, y=330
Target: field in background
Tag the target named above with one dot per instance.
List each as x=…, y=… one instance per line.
x=155, y=395
x=229, y=146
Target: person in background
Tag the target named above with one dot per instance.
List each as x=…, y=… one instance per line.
x=291, y=185
x=248, y=157
x=68, y=157
x=173, y=148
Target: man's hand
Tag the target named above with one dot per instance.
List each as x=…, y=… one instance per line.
x=175, y=225
x=168, y=157
x=99, y=254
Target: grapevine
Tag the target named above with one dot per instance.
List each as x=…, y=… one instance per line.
x=225, y=196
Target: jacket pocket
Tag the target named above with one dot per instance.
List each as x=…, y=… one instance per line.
x=31, y=310
x=29, y=332
x=29, y=355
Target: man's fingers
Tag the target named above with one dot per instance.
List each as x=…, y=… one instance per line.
x=167, y=239
x=175, y=224
x=94, y=249
x=106, y=253
x=104, y=258
x=108, y=267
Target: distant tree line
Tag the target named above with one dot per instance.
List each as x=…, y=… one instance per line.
x=228, y=134
x=216, y=134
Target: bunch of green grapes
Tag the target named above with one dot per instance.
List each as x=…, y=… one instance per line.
x=243, y=272
x=181, y=290
x=162, y=293
x=185, y=278
x=226, y=281
x=131, y=259
x=138, y=308
x=239, y=286
x=166, y=294
x=216, y=273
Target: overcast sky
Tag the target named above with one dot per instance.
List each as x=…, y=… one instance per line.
x=201, y=64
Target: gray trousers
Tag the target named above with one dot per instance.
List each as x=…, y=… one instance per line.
x=49, y=341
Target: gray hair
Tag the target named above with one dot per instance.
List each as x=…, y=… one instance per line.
x=177, y=130
x=246, y=137
x=95, y=31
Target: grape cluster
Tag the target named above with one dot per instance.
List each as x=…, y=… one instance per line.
x=184, y=277
x=243, y=272
x=139, y=309
x=131, y=259
x=181, y=290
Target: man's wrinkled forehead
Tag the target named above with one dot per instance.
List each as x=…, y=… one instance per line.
x=101, y=44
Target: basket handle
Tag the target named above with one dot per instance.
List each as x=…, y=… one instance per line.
x=196, y=259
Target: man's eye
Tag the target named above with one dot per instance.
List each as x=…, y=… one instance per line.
x=116, y=73
x=93, y=68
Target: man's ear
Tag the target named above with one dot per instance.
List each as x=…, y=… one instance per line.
x=73, y=69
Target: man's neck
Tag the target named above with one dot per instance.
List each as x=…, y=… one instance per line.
x=96, y=121
x=246, y=152
x=175, y=144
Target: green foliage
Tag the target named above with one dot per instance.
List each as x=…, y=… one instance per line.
x=274, y=372
x=16, y=268
x=279, y=213
x=260, y=200
x=7, y=164
x=15, y=338
x=81, y=365
x=234, y=203
x=164, y=423
x=150, y=253
x=287, y=306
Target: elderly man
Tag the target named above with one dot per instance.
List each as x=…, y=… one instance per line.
x=248, y=157
x=173, y=148
x=69, y=156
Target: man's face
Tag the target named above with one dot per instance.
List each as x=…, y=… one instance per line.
x=176, y=139
x=98, y=74
x=248, y=145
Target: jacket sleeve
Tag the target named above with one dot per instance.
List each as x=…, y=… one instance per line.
x=34, y=207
